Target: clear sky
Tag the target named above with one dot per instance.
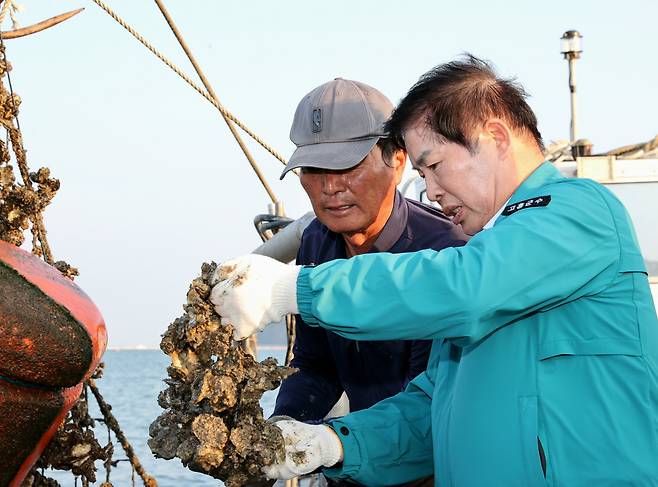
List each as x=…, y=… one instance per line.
x=153, y=183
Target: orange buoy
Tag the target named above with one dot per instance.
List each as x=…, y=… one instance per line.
x=52, y=338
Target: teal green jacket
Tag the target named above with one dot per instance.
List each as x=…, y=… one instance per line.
x=545, y=351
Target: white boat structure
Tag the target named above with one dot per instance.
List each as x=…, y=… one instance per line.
x=631, y=173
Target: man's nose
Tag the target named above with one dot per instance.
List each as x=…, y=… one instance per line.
x=333, y=183
x=434, y=190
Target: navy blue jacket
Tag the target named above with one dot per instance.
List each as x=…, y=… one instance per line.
x=368, y=371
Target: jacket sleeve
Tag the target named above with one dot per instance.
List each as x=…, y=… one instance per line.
x=389, y=443
x=312, y=392
x=534, y=259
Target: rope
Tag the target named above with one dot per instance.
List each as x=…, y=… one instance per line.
x=12, y=13
x=12, y=7
x=187, y=79
x=5, y=8
x=211, y=92
x=39, y=229
x=112, y=423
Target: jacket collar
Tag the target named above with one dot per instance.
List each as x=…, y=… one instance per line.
x=541, y=176
x=394, y=227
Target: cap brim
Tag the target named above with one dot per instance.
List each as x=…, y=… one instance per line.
x=330, y=155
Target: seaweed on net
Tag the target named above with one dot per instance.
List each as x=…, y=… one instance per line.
x=212, y=420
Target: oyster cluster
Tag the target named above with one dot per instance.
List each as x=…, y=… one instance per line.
x=74, y=448
x=212, y=420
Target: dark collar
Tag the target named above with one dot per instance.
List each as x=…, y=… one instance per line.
x=394, y=227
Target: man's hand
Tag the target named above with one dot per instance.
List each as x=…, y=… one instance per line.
x=308, y=447
x=253, y=291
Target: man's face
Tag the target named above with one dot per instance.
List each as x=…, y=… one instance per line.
x=353, y=200
x=464, y=184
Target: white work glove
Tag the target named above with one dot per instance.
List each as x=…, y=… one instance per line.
x=308, y=447
x=253, y=291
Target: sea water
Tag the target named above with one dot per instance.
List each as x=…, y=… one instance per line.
x=131, y=382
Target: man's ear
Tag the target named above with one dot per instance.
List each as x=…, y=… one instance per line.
x=499, y=132
x=399, y=160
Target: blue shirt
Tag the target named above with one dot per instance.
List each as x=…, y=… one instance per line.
x=368, y=371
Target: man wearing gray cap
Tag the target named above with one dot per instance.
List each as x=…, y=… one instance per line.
x=350, y=171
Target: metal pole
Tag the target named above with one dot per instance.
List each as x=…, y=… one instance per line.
x=211, y=92
x=572, y=89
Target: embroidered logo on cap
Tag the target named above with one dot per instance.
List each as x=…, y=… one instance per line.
x=317, y=120
x=530, y=203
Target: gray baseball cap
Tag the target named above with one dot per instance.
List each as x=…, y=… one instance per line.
x=337, y=124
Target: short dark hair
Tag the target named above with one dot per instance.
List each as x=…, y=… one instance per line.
x=388, y=148
x=458, y=96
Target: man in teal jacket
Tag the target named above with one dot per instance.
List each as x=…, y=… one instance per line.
x=544, y=365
